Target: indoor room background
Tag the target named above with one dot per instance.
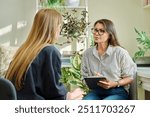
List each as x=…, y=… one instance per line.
x=16, y=17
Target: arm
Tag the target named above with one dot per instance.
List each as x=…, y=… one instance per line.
x=84, y=66
x=124, y=81
x=128, y=70
x=56, y=89
x=111, y=84
x=51, y=75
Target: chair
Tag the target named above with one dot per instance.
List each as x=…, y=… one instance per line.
x=133, y=89
x=7, y=90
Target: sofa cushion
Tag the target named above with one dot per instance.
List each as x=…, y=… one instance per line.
x=6, y=55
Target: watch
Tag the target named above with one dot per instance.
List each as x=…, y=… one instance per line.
x=118, y=84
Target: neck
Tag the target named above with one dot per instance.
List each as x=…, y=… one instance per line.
x=101, y=48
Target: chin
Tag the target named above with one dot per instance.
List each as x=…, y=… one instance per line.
x=97, y=41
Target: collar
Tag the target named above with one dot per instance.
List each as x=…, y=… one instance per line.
x=108, y=51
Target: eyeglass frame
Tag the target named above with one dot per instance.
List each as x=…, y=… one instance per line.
x=100, y=31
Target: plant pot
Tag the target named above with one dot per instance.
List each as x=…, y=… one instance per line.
x=74, y=3
x=143, y=61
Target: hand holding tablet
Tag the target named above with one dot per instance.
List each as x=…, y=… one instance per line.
x=92, y=81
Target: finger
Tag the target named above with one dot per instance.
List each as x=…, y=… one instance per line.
x=103, y=82
x=79, y=97
x=100, y=84
x=96, y=73
x=105, y=86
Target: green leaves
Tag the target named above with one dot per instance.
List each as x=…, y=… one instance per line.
x=74, y=25
x=76, y=61
x=72, y=75
x=55, y=2
x=144, y=44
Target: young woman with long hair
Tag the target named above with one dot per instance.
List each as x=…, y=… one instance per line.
x=36, y=67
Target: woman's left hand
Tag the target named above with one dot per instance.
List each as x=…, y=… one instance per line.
x=107, y=84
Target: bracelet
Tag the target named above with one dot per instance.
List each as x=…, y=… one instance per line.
x=118, y=84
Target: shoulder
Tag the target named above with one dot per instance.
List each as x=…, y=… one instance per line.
x=50, y=50
x=120, y=50
x=122, y=54
x=88, y=50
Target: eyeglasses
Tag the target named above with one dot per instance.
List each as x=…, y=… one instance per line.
x=99, y=31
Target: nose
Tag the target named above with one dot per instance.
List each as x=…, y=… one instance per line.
x=96, y=33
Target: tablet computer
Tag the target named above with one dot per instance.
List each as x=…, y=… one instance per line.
x=92, y=81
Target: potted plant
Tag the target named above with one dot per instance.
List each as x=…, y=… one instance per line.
x=144, y=44
x=74, y=26
x=71, y=76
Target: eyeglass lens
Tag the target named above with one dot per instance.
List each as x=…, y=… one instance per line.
x=99, y=31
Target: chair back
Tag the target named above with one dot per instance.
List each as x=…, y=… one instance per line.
x=7, y=90
x=133, y=89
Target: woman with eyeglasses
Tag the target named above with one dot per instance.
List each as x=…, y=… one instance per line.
x=36, y=67
x=107, y=58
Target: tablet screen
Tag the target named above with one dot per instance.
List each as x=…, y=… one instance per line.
x=92, y=81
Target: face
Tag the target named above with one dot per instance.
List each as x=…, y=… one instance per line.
x=58, y=31
x=99, y=34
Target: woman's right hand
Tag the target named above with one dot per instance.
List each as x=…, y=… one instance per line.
x=97, y=74
x=76, y=94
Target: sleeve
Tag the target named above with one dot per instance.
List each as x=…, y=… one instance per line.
x=84, y=66
x=54, y=89
x=128, y=67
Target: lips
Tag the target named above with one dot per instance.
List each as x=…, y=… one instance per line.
x=97, y=38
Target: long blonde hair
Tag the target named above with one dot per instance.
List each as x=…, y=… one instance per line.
x=43, y=32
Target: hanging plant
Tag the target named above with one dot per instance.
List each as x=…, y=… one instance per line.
x=74, y=26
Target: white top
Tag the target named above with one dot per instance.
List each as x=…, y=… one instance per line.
x=115, y=64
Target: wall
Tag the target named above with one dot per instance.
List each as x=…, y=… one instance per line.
x=15, y=20
x=126, y=14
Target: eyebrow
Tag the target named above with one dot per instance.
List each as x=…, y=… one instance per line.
x=100, y=28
